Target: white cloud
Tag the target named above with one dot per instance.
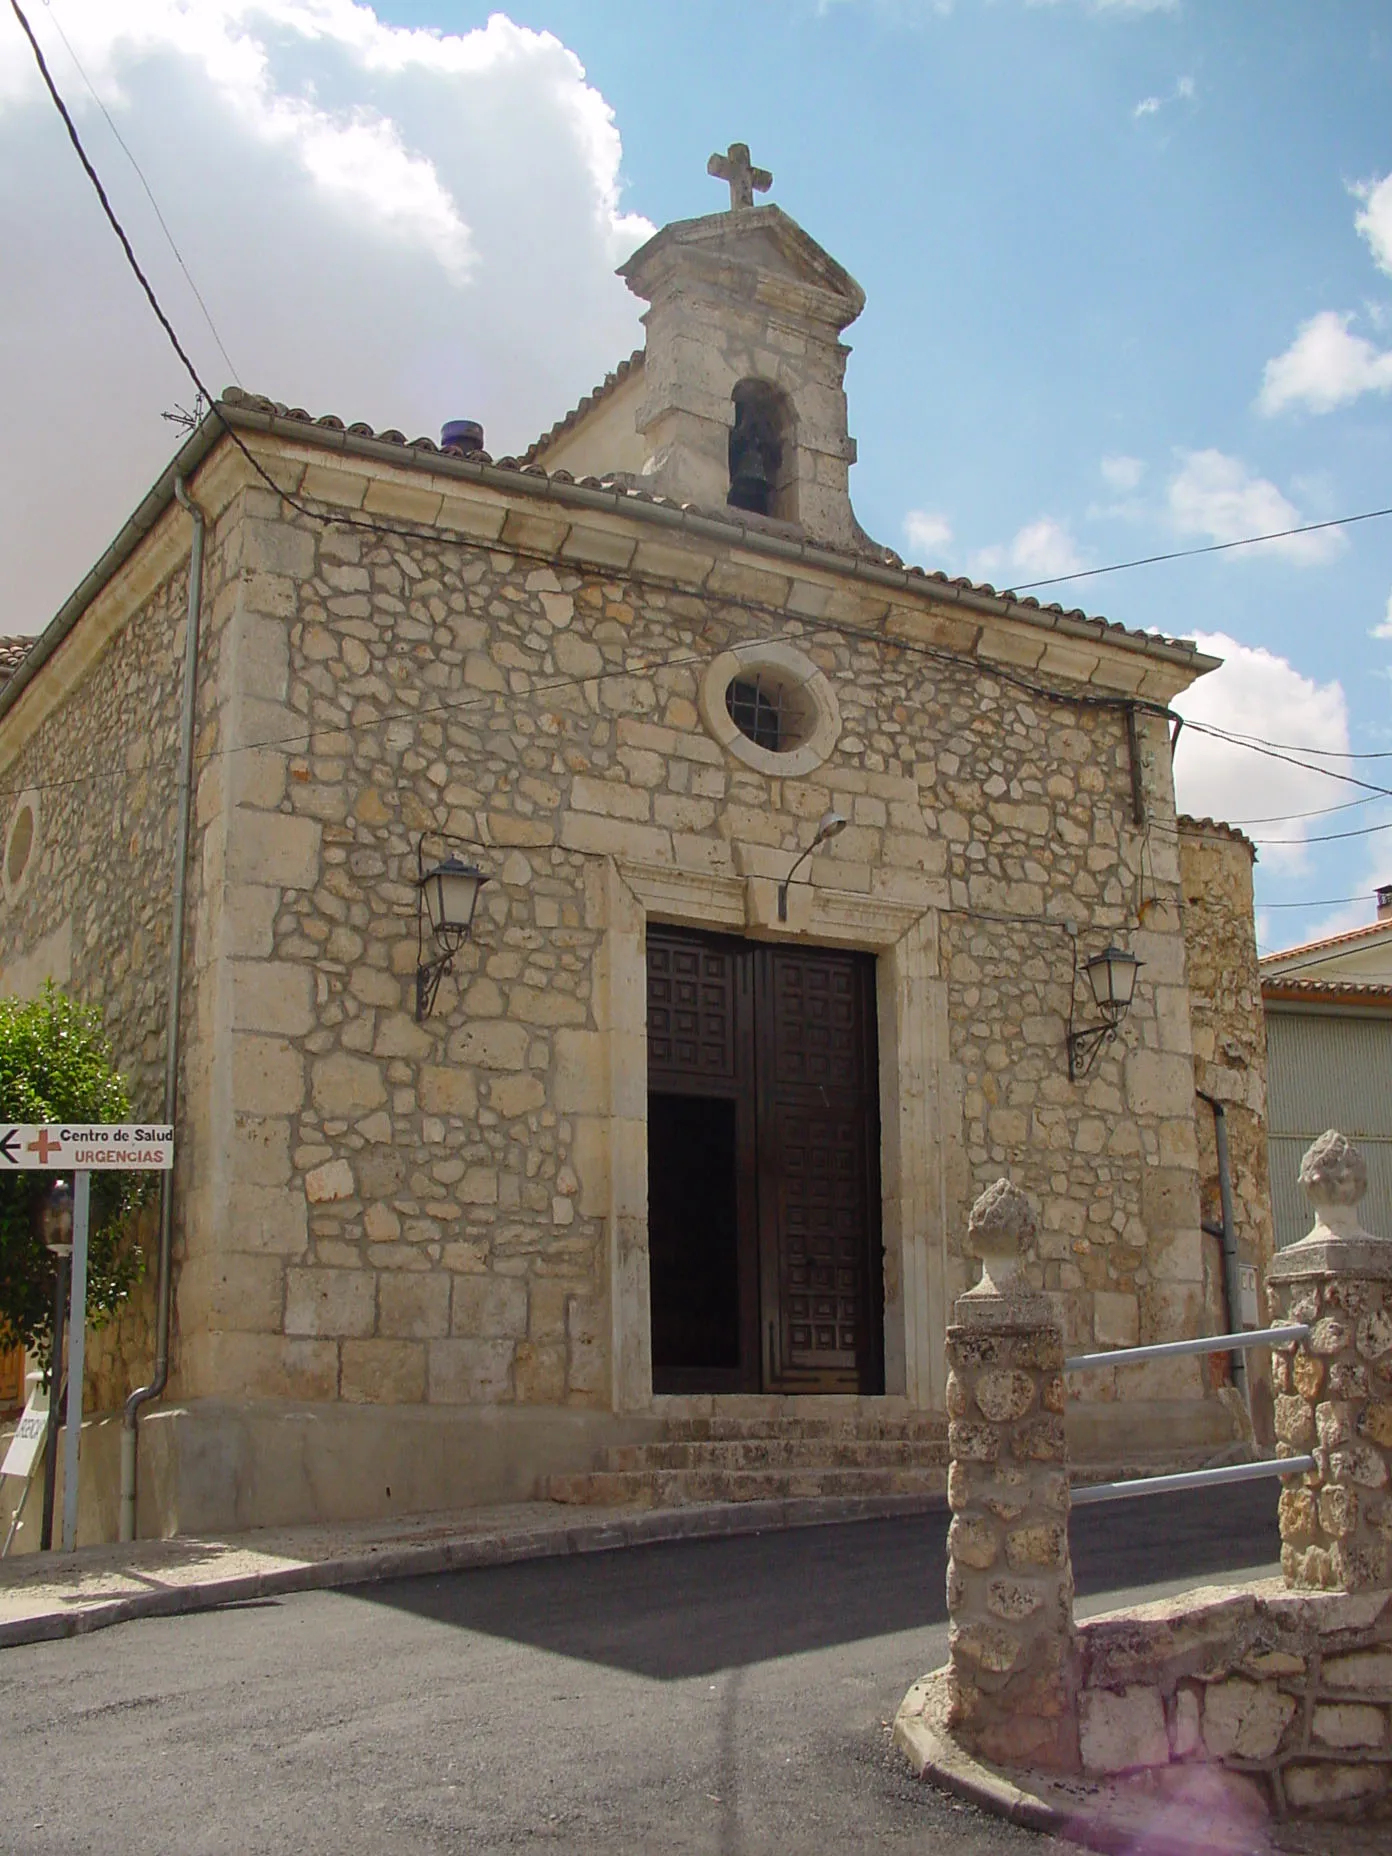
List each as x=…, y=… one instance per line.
x=393, y=225
x=1260, y=694
x=926, y=531
x=1217, y=497
x=1183, y=92
x=1122, y=473
x=1375, y=221
x=1324, y=367
x=1041, y=550
x=1384, y=629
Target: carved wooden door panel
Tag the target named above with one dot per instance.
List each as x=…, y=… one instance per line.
x=763, y=1150
x=819, y=1196
x=703, y=1234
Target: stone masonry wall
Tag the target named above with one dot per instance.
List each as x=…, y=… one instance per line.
x=93, y=906
x=1229, y=1063
x=1292, y=1691
x=422, y=1207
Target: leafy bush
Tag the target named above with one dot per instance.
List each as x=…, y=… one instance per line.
x=56, y=1066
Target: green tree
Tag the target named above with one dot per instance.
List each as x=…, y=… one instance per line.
x=56, y=1066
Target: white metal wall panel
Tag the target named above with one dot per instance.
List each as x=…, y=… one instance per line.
x=1326, y=1071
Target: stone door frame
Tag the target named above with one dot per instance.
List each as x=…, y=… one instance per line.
x=911, y=1009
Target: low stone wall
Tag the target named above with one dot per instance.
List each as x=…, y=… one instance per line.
x=1292, y=1690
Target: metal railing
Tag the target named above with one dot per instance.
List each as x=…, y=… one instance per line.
x=1206, y=1343
x=1081, y=1496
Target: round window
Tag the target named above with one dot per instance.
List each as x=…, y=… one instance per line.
x=20, y=846
x=769, y=709
x=772, y=708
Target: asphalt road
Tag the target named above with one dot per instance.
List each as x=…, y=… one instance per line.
x=727, y=1696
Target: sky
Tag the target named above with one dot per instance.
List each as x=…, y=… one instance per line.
x=1128, y=266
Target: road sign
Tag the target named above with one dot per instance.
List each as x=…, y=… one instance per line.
x=102, y=1147
x=28, y=1439
x=111, y=1147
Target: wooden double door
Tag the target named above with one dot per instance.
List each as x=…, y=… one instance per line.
x=763, y=1167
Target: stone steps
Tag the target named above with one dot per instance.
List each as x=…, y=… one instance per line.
x=783, y=1453
x=677, y=1488
x=851, y=1427
x=775, y=1455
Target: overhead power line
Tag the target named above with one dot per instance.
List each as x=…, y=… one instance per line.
x=149, y=191
x=1253, y=744
x=1326, y=902
x=1212, y=547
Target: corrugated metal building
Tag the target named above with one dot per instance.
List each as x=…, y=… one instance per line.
x=1328, y=1010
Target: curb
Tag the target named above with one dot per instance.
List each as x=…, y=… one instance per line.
x=606, y=1534
x=1093, y=1814
x=945, y=1764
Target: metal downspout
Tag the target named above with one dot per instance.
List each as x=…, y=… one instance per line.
x=164, y=1293
x=1232, y=1280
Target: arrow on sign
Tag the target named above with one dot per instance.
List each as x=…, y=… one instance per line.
x=9, y=1145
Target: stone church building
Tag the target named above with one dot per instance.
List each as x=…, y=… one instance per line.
x=689, y=1132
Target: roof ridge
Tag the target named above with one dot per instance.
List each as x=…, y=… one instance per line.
x=577, y=412
x=1330, y=940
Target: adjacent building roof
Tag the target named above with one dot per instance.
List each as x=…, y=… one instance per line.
x=1351, y=938
x=1326, y=992
x=1216, y=828
x=12, y=655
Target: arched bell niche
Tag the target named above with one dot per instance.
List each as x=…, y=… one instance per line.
x=763, y=452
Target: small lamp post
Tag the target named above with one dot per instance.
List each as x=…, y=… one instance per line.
x=1112, y=979
x=828, y=826
x=53, y=1217
x=448, y=895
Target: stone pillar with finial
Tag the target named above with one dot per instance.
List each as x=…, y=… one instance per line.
x=1334, y=1390
x=1012, y=1681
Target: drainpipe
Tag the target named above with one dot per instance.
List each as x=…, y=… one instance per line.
x=1232, y=1280
x=164, y=1292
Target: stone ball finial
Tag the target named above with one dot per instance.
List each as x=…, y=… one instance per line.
x=1335, y=1178
x=1000, y=1229
x=1001, y=1223
x=1333, y=1171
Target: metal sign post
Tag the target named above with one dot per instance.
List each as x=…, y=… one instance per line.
x=77, y=1351
x=81, y=1151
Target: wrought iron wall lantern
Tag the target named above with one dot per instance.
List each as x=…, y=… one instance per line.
x=448, y=895
x=828, y=826
x=1112, y=978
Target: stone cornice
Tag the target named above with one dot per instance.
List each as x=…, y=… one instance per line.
x=591, y=524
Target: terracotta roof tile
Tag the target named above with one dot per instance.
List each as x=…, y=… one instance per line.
x=735, y=518
x=12, y=654
x=1215, y=828
x=591, y=400
x=1334, y=940
x=1328, y=992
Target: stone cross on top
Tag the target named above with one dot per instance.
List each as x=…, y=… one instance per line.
x=743, y=178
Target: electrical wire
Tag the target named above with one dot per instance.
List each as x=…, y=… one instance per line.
x=149, y=191
x=1003, y=673
x=1256, y=746
x=1288, y=747
x=1327, y=902
x=1212, y=547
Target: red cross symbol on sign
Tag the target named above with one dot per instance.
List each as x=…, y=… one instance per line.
x=44, y=1146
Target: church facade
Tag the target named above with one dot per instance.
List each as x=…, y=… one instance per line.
x=694, y=1120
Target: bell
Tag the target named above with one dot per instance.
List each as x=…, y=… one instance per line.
x=750, y=485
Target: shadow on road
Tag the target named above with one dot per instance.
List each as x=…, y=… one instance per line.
x=691, y=1608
